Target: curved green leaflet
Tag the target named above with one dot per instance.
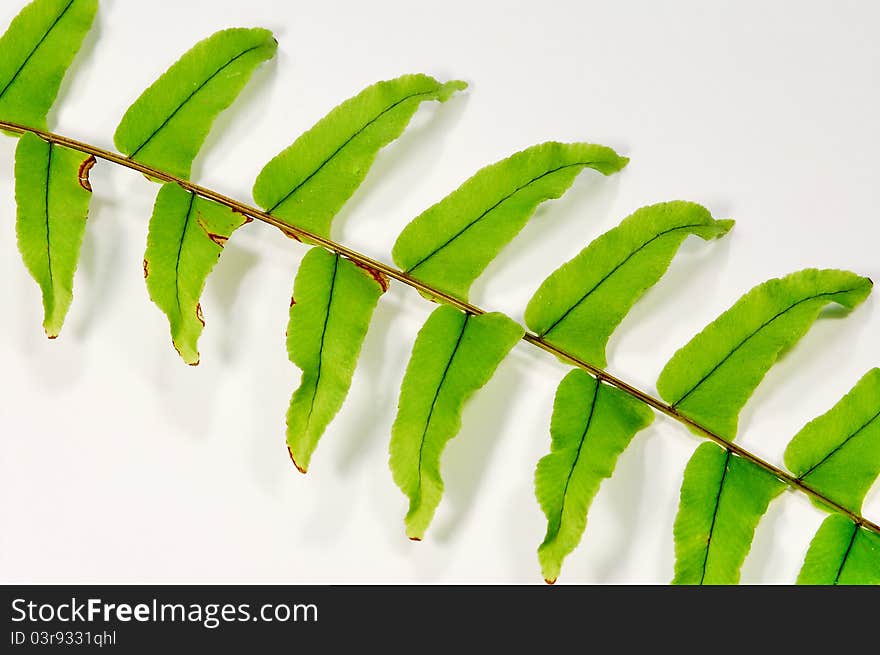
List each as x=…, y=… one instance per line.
x=838, y=454
x=454, y=355
x=723, y=497
x=38, y=48
x=187, y=234
x=711, y=378
x=334, y=301
x=451, y=243
x=167, y=125
x=579, y=306
x=309, y=182
x=592, y=424
x=842, y=553
x=53, y=195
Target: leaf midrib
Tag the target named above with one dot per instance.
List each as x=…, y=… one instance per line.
x=752, y=334
x=715, y=515
x=577, y=456
x=620, y=265
x=333, y=154
x=192, y=199
x=852, y=541
x=436, y=396
x=321, y=343
x=190, y=97
x=48, y=220
x=455, y=236
x=35, y=48
x=839, y=447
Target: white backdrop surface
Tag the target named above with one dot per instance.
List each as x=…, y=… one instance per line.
x=118, y=463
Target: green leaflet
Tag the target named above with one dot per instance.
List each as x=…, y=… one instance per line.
x=38, y=48
x=334, y=301
x=838, y=454
x=187, y=234
x=842, y=553
x=310, y=181
x=712, y=377
x=592, y=424
x=167, y=125
x=53, y=195
x=454, y=355
x=722, y=499
x=578, y=307
x=450, y=244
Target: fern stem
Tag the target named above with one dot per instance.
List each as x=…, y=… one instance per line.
x=440, y=296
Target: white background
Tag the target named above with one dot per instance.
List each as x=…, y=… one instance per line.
x=121, y=464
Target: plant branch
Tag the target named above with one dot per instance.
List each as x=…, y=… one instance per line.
x=442, y=297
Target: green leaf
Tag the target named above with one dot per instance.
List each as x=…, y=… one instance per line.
x=53, y=195
x=838, y=454
x=454, y=355
x=842, y=553
x=578, y=307
x=334, y=301
x=711, y=378
x=187, y=234
x=166, y=126
x=38, y=48
x=722, y=499
x=592, y=424
x=310, y=181
x=450, y=244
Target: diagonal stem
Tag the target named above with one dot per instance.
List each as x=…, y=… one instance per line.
x=442, y=297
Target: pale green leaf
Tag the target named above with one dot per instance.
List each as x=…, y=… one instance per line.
x=722, y=499
x=53, y=195
x=187, y=234
x=310, y=181
x=454, y=355
x=592, y=424
x=711, y=378
x=38, y=48
x=579, y=306
x=334, y=300
x=451, y=243
x=168, y=123
x=842, y=553
x=838, y=454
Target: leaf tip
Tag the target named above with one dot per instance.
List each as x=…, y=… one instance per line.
x=724, y=226
x=446, y=91
x=299, y=468
x=550, y=580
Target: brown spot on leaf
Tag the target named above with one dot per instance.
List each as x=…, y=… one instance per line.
x=146, y=269
x=83, y=173
x=380, y=278
x=52, y=336
x=199, y=314
x=292, y=301
x=245, y=219
x=415, y=538
x=298, y=467
x=219, y=239
x=549, y=581
x=290, y=235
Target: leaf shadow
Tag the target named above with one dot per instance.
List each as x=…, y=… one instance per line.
x=224, y=127
x=224, y=289
x=82, y=63
x=370, y=408
x=418, y=146
x=697, y=264
x=624, y=494
x=467, y=456
x=102, y=249
x=537, y=250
